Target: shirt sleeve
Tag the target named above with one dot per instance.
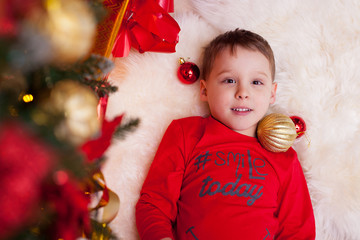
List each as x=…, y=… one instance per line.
x=156, y=209
x=295, y=212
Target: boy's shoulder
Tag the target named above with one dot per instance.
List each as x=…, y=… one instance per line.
x=197, y=120
x=194, y=125
x=289, y=154
x=284, y=160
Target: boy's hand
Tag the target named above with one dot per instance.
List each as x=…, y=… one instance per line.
x=167, y=238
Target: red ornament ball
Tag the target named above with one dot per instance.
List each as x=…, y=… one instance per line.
x=188, y=72
x=299, y=125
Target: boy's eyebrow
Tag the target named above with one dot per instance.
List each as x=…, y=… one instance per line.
x=223, y=71
x=262, y=73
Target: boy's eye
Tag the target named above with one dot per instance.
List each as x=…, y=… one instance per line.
x=257, y=82
x=229, y=80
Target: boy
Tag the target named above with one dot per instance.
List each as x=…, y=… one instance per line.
x=210, y=178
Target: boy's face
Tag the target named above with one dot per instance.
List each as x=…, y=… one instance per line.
x=239, y=89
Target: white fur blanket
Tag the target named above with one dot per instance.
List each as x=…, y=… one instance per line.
x=317, y=51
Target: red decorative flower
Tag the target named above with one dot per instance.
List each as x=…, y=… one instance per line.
x=94, y=149
x=147, y=26
x=25, y=161
x=12, y=12
x=69, y=204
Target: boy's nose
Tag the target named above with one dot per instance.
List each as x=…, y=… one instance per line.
x=241, y=93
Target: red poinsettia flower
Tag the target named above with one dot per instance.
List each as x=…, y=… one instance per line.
x=147, y=26
x=24, y=163
x=13, y=11
x=94, y=149
x=69, y=205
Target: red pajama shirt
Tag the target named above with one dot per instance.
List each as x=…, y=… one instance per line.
x=208, y=182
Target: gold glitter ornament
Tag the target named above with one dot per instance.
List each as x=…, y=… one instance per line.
x=70, y=26
x=276, y=132
x=78, y=103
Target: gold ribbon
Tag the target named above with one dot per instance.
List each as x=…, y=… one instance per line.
x=116, y=28
x=109, y=202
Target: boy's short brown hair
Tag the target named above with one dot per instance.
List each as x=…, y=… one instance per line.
x=233, y=39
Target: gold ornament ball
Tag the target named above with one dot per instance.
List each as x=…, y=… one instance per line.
x=70, y=27
x=78, y=103
x=276, y=132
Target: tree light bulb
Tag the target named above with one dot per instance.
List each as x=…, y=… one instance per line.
x=28, y=98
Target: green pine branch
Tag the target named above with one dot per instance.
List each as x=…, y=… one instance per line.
x=101, y=231
x=126, y=128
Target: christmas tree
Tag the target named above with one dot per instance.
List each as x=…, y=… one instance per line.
x=51, y=136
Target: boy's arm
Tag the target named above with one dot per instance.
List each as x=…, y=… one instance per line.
x=156, y=209
x=295, y=212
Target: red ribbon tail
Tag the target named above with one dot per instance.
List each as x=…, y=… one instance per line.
x=167, y=5
x=122, y=44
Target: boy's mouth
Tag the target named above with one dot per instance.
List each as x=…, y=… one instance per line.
x=241, y=109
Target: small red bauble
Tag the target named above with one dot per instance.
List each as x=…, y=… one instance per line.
x=188, y=72
x=299, y=125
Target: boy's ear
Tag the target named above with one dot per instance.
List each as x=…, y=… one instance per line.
x=203, y=92
x=273, y=93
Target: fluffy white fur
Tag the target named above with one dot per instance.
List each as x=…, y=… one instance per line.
x=317, y=50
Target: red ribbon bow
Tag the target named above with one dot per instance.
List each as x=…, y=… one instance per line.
x=147, y=26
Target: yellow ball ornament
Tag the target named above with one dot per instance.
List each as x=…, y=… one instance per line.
x=276, y=132
x=78, y=104
x=69, y=26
